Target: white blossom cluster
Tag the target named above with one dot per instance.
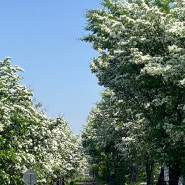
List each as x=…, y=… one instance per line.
x=141, y=59
x=28, y=138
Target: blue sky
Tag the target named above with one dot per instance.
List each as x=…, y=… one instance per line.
x=42, y=37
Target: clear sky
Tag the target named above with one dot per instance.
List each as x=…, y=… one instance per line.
x=42, y=37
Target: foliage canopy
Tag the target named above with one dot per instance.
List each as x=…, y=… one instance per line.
x=142, y=61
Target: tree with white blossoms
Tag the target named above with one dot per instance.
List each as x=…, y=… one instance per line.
x=17, y=115
x=28, y=138
x=101, y=137
x=116, y=140
x=59, y=151
x=142, y=60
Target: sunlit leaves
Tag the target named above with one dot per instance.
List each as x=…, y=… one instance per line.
x=28, y=138
x=141, y=56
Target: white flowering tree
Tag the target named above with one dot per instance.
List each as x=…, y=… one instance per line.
x=116, y=140
x=142, y=60
x=28, y=138
x=59, y=151
x=17, y=115
x=101, y=137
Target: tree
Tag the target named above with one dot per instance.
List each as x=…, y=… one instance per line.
x=28, y=138
x=141, y=59
x=17, y=115
x=111, y=141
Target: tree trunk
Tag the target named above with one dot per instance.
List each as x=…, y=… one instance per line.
x=174, y=173
x=150, y=172
x=161, y=178
x=133, y=173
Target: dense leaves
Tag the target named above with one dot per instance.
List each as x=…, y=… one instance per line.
x=28, y=138
x=142, y=60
